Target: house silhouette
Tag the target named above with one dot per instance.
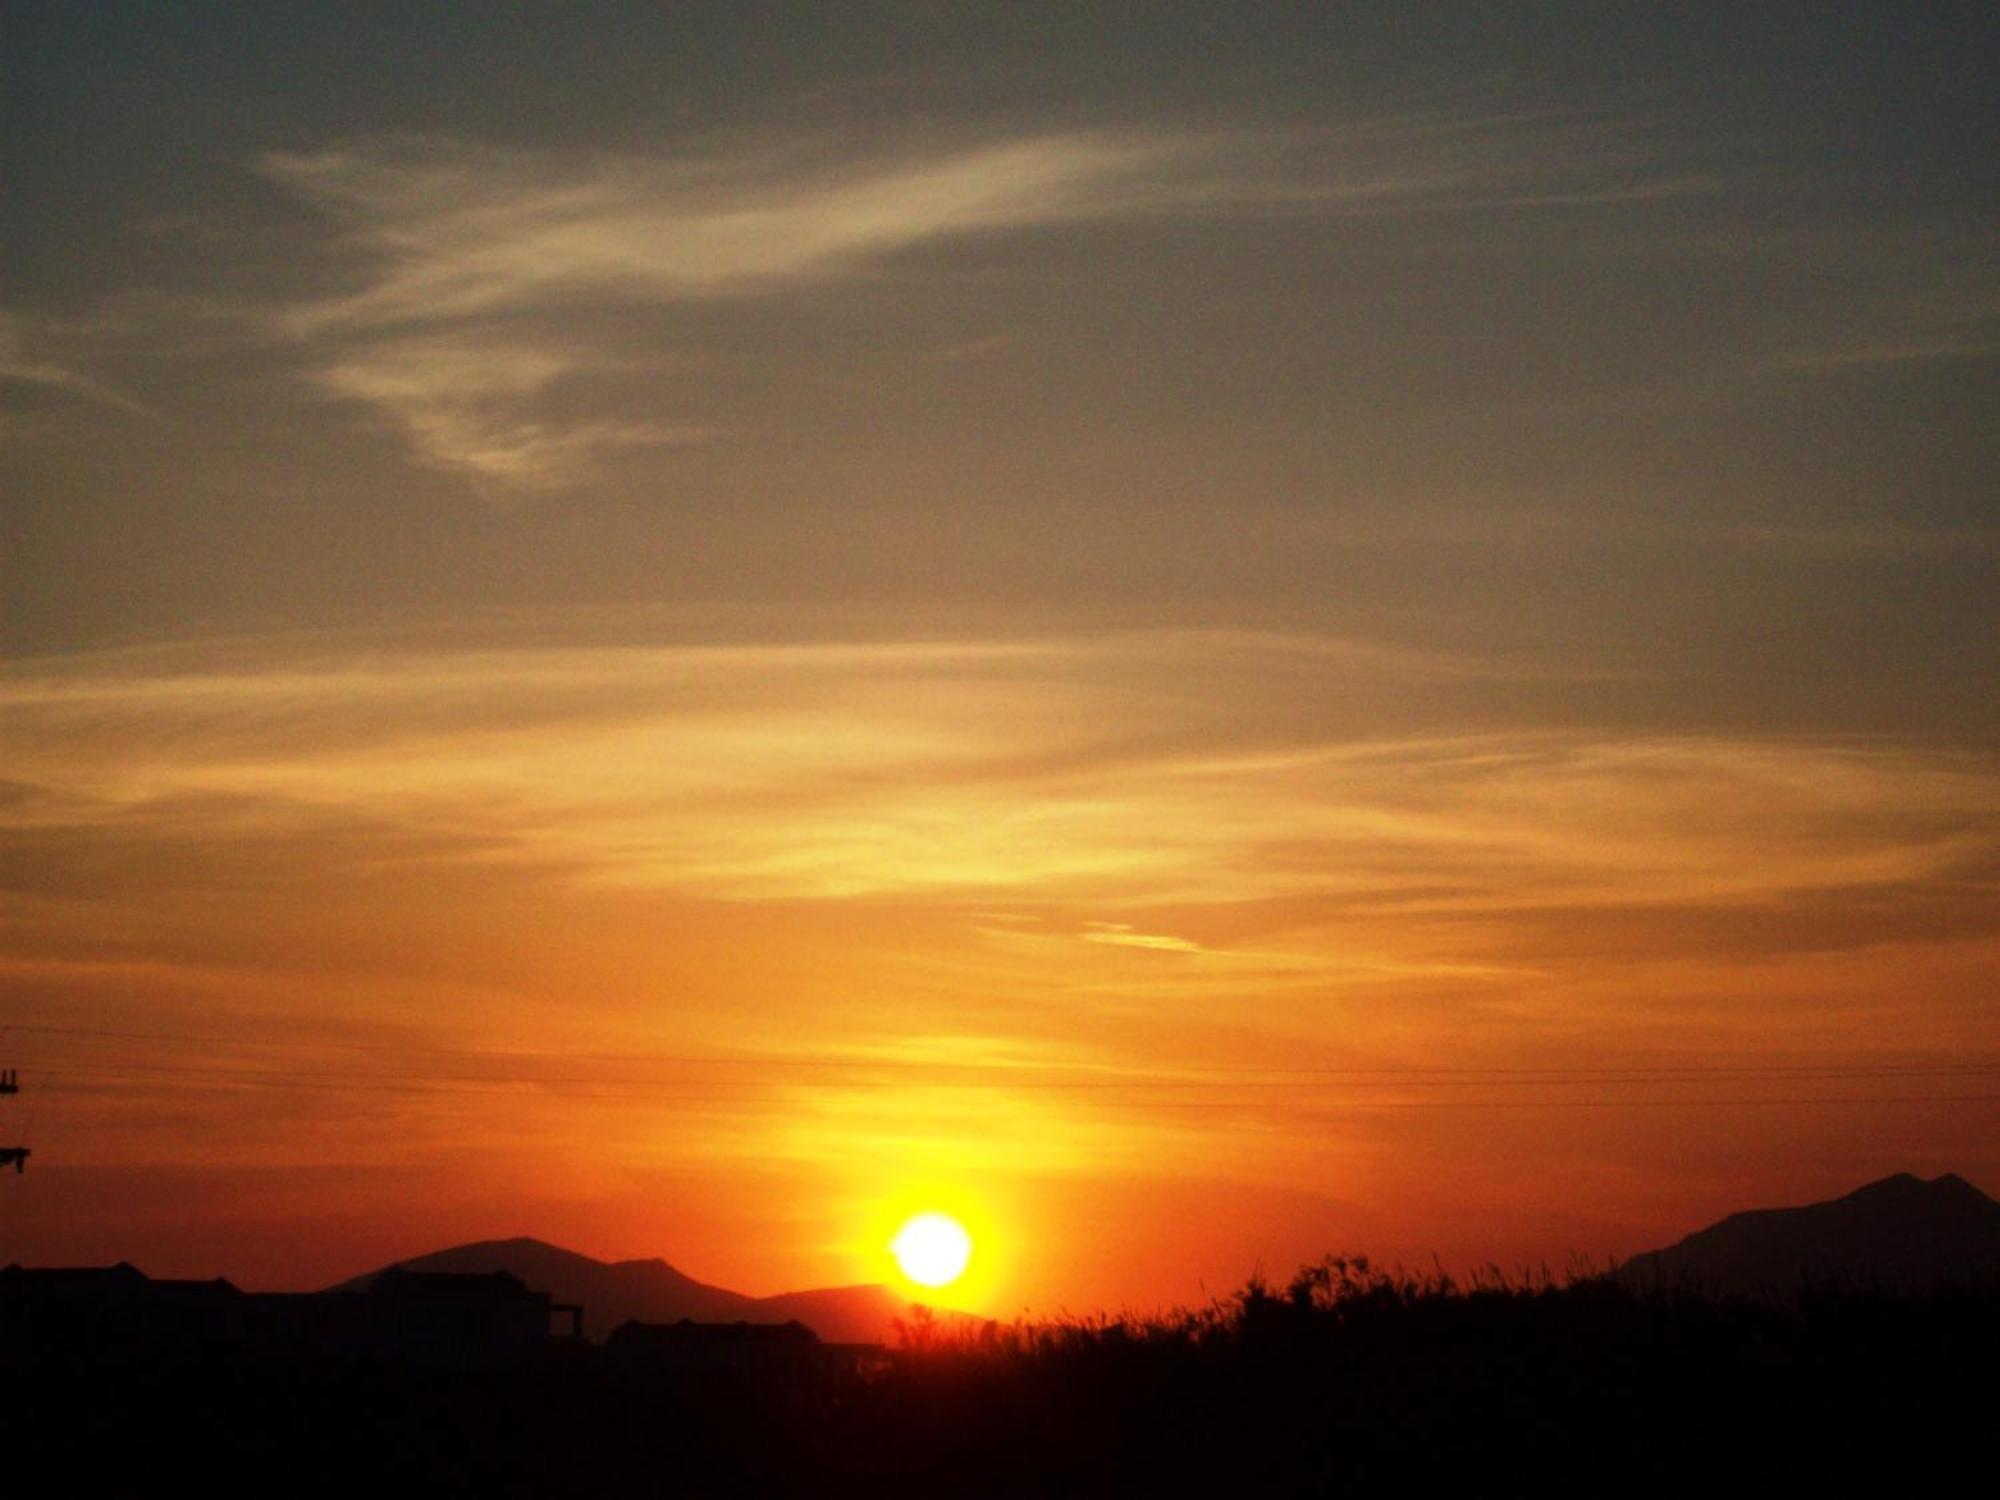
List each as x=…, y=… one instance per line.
x=431, y=1319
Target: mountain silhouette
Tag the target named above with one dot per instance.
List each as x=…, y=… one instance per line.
x=610, y=1292
x=1901, y=1232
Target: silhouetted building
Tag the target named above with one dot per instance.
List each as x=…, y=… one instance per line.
x=413, y=1317
x=115, y=1308
x=416, y=1318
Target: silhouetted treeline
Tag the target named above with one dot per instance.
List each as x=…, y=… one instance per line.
x=1345, y=1377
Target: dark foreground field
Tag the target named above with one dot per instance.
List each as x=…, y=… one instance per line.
x=1347, y=1378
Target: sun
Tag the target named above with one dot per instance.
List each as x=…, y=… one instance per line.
x=932, y=1249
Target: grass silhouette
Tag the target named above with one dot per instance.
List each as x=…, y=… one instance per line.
x=1346, y=1375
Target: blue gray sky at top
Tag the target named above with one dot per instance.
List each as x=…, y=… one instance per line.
x=1643, y=344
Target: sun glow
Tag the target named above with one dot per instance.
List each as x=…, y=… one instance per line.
x=932, y=1249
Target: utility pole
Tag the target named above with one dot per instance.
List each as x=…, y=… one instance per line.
x=16, y=1156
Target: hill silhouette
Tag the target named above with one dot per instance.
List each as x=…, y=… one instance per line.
x=653, y=1291
x=1901, y=1232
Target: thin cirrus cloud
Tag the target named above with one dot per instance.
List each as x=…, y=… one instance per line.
x=464, y=400
x=465, y=249
x=20, y=366
x=461, y=256
x=966, y=772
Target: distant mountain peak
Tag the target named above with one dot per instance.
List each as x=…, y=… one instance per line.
x=1897, y=1231
x=653, y=1291
x=522, y=1242
x=1908, y=1187
x=1953, y=1184
x=1894, y=1183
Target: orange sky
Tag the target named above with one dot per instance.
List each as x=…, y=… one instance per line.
x=1200, y=654
x=1112, y=943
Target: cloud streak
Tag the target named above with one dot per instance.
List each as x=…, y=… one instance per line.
x=472, y=270
x=20, y=367
x=462, y=232
x=979, y=771
x=465, y=249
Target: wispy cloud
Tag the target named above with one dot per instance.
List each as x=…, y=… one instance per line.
x=973, y=772
x=465, y=231
x=1932, y=313
x=465, y=251
x=460, y=256
x=20, y=366
x=466, y=401
x=1121, y=935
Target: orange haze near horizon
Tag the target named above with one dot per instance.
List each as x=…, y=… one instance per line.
x=1152, y=970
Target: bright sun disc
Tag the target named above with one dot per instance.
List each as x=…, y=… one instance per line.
x=932, y=1249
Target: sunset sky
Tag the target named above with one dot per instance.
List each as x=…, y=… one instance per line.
x=1197, y=633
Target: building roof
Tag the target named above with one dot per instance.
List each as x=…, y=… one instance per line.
x=80, y=1278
